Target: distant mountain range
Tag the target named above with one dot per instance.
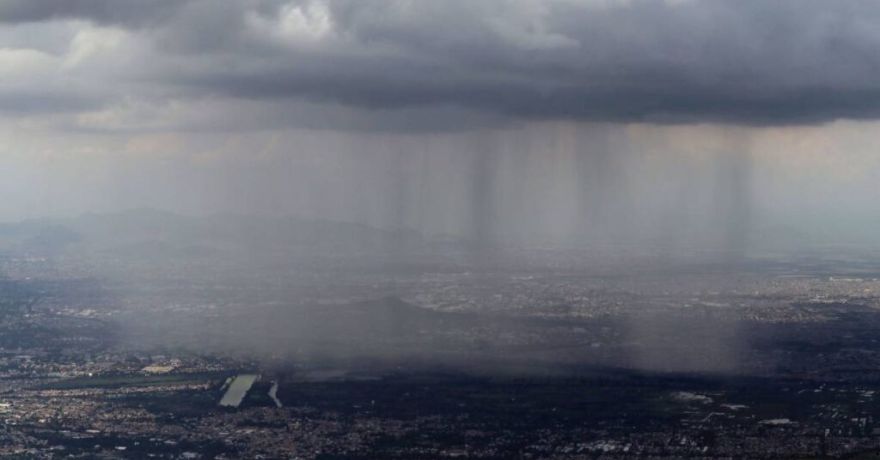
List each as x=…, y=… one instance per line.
x=150, y=233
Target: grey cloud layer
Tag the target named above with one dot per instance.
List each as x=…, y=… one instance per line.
x=749, y=61
x=128, y=12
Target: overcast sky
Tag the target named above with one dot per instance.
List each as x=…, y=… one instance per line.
x=139, y=65
x=298, y=106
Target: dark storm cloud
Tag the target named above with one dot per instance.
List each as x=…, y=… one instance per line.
x=125, y=12
x=749, y=61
